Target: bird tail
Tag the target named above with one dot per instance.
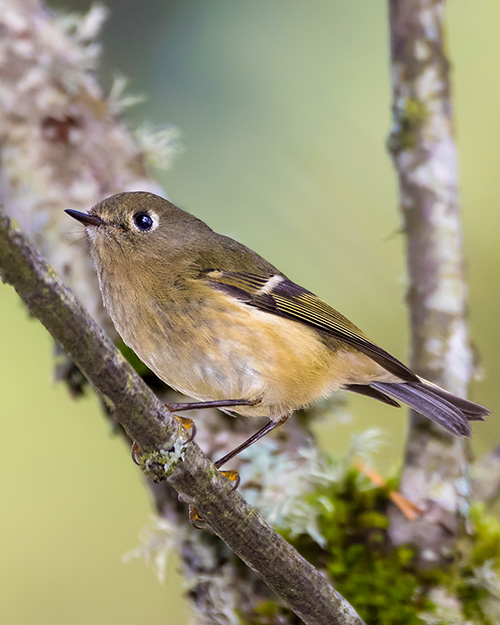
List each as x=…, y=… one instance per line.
x=449, y=411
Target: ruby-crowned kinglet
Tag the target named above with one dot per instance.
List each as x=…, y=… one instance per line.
x=217, y=322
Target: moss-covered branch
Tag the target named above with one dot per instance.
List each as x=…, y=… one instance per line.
x=423, y=148
x=146, y=421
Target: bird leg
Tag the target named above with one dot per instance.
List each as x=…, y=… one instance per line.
x=269, y=427
x=218, y=403
x=194, y=518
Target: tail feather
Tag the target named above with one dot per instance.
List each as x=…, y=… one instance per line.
x=450, y=412
x=473, y=412
x=369, y=391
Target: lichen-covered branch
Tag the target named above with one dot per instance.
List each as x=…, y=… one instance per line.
x=63, y=143
x=168, y=454
x=423, y=148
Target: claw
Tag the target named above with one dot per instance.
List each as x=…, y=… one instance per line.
x=136, y=452
x=194, y=518
x=232, y=476
x=189, y=425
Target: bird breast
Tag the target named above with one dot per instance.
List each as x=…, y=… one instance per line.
x=217, y=347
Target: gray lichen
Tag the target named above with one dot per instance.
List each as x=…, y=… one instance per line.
x=423, y=148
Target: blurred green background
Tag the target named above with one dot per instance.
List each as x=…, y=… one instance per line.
x=284, y=108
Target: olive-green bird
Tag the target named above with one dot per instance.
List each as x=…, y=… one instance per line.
x=217, y=322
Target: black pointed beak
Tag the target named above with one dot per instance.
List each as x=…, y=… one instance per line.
x=85, y=218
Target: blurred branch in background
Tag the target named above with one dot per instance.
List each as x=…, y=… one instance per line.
x=423, y=147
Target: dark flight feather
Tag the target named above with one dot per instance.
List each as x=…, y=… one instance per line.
x=369, y=391
x=451, y=412
x=473, y=411
x=292, y=301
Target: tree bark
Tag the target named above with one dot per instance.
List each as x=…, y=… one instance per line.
x=423, y=148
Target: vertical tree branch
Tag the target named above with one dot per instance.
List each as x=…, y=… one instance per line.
x=423, y=149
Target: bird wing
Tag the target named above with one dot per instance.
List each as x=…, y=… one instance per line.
x=278, y=295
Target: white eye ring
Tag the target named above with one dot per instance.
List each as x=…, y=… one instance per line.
x=145, y=221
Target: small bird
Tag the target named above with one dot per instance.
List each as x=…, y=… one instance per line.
x=217, y=322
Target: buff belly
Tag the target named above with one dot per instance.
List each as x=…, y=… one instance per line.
x=247, y=354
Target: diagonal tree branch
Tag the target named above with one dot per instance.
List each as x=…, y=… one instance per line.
x=423, y=147
x=168, y=454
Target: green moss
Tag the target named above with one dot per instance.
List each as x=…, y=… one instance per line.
x=486, y=544
x=409, y=121
x=377, y=580
x=159, y=465
x=380, y=581
x=479, y=556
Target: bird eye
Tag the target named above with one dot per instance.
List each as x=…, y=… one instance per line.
x=143, y=221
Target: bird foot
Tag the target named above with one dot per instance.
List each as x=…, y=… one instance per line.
x=194, y=518
x=188, y=425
